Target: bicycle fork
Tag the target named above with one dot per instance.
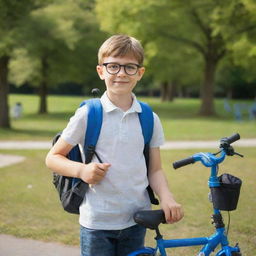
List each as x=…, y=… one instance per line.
x=220, y=237
x=210, y=243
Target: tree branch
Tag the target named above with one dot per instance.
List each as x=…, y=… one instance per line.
x=246, y=29
x=164, y=33
x=186, y=41
x=221, y=54
x=206, y=30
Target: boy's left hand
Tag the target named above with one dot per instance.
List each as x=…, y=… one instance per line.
x=172, y=210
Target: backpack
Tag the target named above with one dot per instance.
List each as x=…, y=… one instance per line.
x=72, y=190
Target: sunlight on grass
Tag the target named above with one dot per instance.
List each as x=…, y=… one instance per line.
x=30, y=207
x=34, y=211
x=180, y=119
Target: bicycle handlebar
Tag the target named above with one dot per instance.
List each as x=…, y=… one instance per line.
x=231, y=139
x=183, y=162
x=224, y=142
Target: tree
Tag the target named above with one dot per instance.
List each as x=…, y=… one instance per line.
x=53, y=34
x=236, y=20
x=56, y=37
x=12, y=16
x=235, y=81
x=170, y=70
x=190, y=23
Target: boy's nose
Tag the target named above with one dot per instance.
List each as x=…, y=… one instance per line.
x=121, y=71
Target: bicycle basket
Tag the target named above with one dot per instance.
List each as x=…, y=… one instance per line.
x=225, y=197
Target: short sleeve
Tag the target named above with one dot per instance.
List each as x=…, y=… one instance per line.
x=74, y=132
x=158, y=133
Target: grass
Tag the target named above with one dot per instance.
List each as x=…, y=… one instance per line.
x=180, y=119
x=30, y=206
x=29, y=203
x=40, y=127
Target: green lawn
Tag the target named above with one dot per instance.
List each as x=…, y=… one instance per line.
x=30, y=205
x=180, y=119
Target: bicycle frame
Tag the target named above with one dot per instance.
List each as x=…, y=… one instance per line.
x=209, y=243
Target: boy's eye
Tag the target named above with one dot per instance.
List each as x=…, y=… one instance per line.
x=131, y=67
x=113, y=66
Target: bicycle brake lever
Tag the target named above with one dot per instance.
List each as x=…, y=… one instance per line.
x=215, y=154
x=235, y=153
x=229, y=150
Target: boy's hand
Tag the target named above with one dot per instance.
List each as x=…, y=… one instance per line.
x=172, y=210
x=93, y=173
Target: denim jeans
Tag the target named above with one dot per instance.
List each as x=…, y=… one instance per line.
x=111, y=242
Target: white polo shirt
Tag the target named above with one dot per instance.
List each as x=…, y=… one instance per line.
x=110, y=204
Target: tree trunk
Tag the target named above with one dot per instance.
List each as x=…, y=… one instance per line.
x=229, y=94
x=167, y=91
x=43, y=90
x=4, y=91
x=207, y=88
x=150, y=92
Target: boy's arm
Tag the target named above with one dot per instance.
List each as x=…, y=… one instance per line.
x=57, y=161
x=158, y=182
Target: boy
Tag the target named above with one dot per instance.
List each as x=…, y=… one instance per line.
x=118, y=185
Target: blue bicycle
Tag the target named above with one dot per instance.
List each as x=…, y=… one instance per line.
x=224, y=195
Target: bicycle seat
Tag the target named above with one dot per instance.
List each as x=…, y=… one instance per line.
x=149, y=219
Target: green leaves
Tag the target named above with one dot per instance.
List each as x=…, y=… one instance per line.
x=24, y=69
x=236, y=21
x=63, y=32
x=12, y=14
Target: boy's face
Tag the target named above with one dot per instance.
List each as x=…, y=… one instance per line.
x=120, y=83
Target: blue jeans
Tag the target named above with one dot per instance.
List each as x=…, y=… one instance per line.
x=111, y=242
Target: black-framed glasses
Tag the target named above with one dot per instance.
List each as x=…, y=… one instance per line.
x=113, y=68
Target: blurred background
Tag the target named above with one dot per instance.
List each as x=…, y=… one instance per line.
x=200, y=79
x=201, y=49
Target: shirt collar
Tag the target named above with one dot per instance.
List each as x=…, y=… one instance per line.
x=108, y=106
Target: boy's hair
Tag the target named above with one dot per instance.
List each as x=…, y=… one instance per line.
x=120, y=46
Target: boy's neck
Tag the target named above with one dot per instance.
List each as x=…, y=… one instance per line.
x=123, y=102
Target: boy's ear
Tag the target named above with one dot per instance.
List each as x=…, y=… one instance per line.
x=99, y=70
x=141, y=72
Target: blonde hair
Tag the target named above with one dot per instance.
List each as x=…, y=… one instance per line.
x=120, y=46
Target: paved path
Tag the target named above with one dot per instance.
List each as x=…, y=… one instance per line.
x=25, y=144
x=11, y=159
x=206, y=144
x=6, y=160
x=12, y=246
x=167, y=145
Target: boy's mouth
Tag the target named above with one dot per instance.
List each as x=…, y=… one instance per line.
x=121, y=82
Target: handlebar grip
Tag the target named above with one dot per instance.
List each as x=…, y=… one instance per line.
x=233, y=138
x=183, y=162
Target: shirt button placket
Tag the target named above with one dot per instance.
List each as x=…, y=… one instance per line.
x=123, y=131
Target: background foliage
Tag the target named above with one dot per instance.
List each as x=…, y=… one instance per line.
x=199, y=48
x=194, y=49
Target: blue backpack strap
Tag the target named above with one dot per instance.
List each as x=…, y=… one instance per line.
x=146, y=121
x=94, y=123
x=147, y=125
